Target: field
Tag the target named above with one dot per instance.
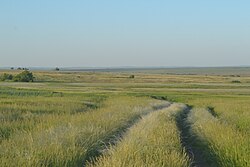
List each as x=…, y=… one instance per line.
x=162, y=117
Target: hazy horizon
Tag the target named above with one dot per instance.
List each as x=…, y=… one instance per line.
x=124, y=34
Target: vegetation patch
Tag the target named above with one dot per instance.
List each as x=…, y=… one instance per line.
x=236, y=81
x=25, y=76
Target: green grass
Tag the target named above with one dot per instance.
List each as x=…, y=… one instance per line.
x=233, y=111
x=24, y=109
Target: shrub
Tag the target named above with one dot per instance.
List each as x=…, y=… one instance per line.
x=5, y=77
x=236, y=81
x=24, y=76
x=131, y=76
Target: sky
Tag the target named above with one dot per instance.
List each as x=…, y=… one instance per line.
x=115, y=33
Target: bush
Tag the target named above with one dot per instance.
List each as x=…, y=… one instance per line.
x=131, y=76
x=24, y=76
x=5, y=77
x=236, y=81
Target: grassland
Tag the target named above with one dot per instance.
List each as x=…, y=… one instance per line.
x=65, y=139
x=69, y=118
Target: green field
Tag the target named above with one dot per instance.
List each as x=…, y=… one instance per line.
x=162, y=117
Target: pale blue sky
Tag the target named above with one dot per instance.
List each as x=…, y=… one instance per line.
x=80, y=33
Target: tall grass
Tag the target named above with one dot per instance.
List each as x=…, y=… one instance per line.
x=153, y=141
x=231, y=110
x=70, y=139
x=235, y=112
x=221, y=143
x=24, y=113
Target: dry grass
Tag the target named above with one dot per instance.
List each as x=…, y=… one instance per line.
x=153, y=141
x=70, y=139
x=220, y=142
x=42, y=127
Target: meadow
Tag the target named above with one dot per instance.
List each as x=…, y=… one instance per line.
x=162, y=117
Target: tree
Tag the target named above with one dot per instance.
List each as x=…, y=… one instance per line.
x=24, y=76
x=57, y=69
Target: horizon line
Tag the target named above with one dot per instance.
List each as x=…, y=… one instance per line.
x=122, y=67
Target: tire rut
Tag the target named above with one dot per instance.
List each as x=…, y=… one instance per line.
x=112, y=140
x=187, y=140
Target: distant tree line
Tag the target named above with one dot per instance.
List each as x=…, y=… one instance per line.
x=24, y=68
x=19, y=68
x=25, y=76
